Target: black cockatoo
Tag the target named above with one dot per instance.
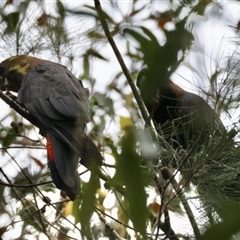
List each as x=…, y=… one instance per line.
x=58, y=102
x=188, y=113
x=186, y=116
x=204, y=150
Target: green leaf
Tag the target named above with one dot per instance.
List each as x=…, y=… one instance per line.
x=95, y=35
x=21, y=179
x=227, y=228
x=106, y=16
x=201, y=6
x=86, y=67
x=92, y=52
x=125, y=122
x=150, y=35
x=32, y=217
x=11, y=20
x=104, y=102
x=3, y=200
x=77, y=202
x=61, y=9
x=136, y=11
x=136, y=35
x=129, y=169
x=83, y=13
x=23, y=6
x=149, y=45
x=9, y=138
x=89, y=189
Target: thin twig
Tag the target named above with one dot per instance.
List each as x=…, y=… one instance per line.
x=185, y=205
x=112, y=230
x=13, y=104
x=164, y=226
x=121, y=223
x=24, y=185
x=25, y=147
x=31, y=215
x=21, y=200
x=26, y=176
x=42, y=193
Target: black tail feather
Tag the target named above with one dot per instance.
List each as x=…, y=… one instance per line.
x=89, y=153
x=71, y=192
x=63, y=163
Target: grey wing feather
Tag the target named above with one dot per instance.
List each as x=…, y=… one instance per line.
x=197, y=108
x=54, y=93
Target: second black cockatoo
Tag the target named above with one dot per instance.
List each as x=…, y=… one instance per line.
x=205, y=152
x=186, y=116
x=58, y=103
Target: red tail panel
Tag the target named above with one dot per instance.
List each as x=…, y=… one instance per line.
x=50, y=149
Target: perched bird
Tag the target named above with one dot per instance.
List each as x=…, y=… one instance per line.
x=192, y=138
x=58, y=102
x=183, y=116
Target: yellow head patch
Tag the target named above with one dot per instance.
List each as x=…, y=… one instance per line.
x=20, y=68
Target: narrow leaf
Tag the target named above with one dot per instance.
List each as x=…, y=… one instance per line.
x=136, y=35
x=75, y=209
x=61, y=9
x=96, y=54
x=87, y=207
x=83, y=13
x=132, y=176
x=151, y=36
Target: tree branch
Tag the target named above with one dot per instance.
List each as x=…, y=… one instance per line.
x=13, y=104
x=23, y=185
x=112, y=230
x=185, y=205
x=166, y=225
x=125, y=70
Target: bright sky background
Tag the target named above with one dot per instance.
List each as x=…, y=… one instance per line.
x=212, y=34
